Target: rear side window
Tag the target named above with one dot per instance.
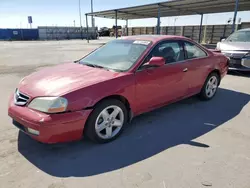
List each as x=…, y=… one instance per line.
x=194, y=51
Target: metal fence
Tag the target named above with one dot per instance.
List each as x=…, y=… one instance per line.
x=211, y=34
x=48, y=33
x=63, y=33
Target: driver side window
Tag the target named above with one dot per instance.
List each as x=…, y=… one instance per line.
x=171, y=51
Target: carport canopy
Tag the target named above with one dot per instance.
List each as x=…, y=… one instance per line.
x=175, y=8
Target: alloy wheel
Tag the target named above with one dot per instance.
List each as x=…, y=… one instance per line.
x=109, y=122
x=211, y=86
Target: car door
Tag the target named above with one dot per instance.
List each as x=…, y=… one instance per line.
x=159, y=85
x=198, y=66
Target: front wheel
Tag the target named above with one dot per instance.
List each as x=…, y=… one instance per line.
x=210, y=87
x=107, y=121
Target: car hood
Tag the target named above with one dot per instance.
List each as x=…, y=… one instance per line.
x=62, y=79
x=231, y=46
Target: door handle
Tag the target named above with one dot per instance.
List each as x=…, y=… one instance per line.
x=185, y=70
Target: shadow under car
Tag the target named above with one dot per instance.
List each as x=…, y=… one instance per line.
x=147, y=135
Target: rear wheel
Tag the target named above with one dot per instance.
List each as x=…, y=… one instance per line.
x=107, y=121
x=210, y=87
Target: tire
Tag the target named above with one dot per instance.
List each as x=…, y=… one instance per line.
x=101, y=121
x=204, y=94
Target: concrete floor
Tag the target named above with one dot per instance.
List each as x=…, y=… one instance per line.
x=188, y=144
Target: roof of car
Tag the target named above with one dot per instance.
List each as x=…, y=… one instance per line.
x=153, y=38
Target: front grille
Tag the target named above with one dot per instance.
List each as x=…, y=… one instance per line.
x=237, y=58
x=20, y=98
x=237, y=66
x=235, y=61
x=235, y=54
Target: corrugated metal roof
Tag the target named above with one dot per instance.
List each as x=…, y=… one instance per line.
x=174, y=8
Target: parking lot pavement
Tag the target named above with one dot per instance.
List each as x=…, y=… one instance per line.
x=187, y=144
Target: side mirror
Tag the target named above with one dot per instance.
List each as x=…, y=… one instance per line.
x=156, y=62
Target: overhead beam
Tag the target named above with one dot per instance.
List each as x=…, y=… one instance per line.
x=135, y=14
x=179, y=9
x=193, y=10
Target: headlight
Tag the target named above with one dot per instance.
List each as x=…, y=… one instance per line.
x=49, y=104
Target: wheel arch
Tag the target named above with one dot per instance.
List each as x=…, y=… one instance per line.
x=217, y=72
x=89, y=131
x=121, y=98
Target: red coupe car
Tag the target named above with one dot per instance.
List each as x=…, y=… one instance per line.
x=97, y=95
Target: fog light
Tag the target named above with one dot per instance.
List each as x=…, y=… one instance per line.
x=33, y=131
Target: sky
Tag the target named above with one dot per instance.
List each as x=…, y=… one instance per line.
x=13, y=14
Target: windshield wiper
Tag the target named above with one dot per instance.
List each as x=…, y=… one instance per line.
x=95, y=66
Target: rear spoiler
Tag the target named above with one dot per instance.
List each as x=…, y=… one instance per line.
x=215, y=50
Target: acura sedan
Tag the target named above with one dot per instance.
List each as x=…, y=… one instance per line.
x=99, y=94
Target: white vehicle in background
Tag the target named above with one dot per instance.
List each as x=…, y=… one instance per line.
x=237, y=48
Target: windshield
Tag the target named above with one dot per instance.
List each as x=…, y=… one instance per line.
x=117, y=55
x=239, y=36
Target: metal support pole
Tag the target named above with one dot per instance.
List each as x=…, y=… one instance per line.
x=159, y=21
x=92, y=17
x=200, y=28
x=116, y=30
x=21, y=33
x=80, y=15
x=127, y=27
x=81, y=33
x=87, y=26
x=235, y=14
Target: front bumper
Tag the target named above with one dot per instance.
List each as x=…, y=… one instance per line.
x=241, y=68
x=53, y=128
x=238, y=60
x=236, y=64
